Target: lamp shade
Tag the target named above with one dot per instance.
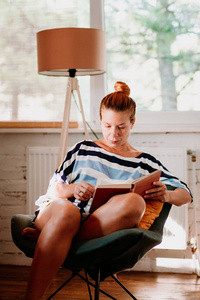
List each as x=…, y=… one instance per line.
x=63, y=49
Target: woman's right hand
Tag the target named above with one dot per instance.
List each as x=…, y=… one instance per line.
x=83, y=191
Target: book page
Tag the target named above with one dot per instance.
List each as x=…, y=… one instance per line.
x=108, y=181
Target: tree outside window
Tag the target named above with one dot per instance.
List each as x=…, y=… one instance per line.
x=154, y=46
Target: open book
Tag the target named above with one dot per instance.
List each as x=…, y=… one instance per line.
x=104, y=192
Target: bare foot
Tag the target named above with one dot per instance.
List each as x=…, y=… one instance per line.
x=31, y=233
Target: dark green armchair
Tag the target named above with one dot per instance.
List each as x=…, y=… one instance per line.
x=101, y=257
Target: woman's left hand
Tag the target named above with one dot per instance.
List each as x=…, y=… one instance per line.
x=159, y=192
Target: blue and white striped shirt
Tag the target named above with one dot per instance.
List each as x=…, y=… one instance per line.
x=86, y=161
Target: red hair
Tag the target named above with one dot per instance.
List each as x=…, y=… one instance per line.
x=119, y=100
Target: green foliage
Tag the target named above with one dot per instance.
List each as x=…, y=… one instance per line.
x=150, y=36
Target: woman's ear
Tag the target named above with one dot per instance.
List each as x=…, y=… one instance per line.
x=132, y=124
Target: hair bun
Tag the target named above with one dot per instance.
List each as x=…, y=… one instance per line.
x=122, y=87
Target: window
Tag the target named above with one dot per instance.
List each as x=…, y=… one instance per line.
x=25, y=95
x=154, y=47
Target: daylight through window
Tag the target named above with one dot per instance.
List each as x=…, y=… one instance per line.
x=154, y=46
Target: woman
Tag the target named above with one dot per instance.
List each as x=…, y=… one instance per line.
x=62, y=211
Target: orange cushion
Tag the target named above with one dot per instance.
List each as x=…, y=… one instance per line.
x=153, y=209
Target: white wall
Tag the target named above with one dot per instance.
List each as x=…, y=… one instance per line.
x=13, y=183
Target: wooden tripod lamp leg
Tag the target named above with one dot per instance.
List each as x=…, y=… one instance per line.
x=65, y=124
x=72, y=85
x=82, y=111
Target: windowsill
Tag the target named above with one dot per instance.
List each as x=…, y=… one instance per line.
x=146, y=122
x=34, y=126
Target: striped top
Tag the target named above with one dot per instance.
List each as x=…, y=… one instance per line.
x=86, y=161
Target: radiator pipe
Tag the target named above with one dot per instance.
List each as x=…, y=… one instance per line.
x=194, y=240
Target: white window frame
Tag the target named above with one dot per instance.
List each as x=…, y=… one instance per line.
x=161, y=121
x=98, y=82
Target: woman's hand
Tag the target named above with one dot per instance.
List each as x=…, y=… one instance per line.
x=83, y=191
x=177, y=197
x=160, y=192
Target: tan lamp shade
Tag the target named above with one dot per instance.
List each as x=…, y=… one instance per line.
x=62, y=49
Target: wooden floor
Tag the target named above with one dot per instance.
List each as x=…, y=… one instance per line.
x=157, y=286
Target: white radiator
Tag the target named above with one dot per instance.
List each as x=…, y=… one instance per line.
x=42, y=163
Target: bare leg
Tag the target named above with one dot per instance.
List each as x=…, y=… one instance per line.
x=58, y=224
x=120, y=212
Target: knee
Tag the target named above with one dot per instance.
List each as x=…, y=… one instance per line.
x=134, y=208
x=66, y=217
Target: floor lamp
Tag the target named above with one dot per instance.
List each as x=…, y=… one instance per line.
x=71, y=52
